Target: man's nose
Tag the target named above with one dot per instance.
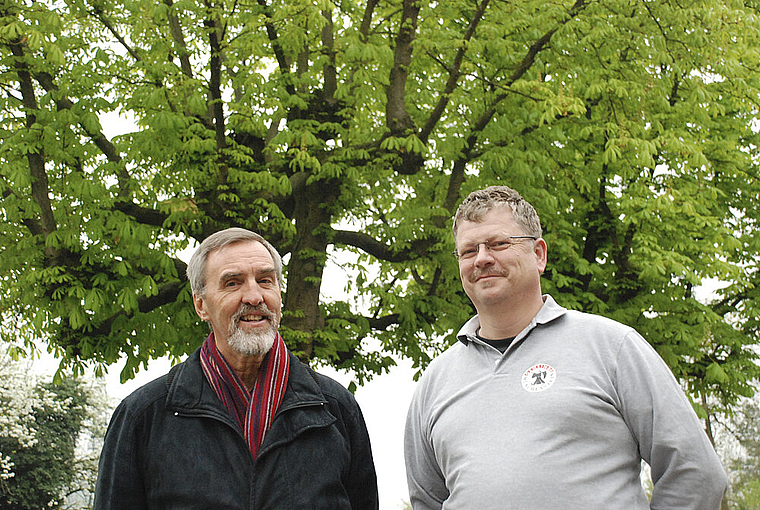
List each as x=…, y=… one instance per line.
x=483, y=255
x=252, y=293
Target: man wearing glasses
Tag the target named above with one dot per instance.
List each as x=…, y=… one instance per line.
x=538, y=406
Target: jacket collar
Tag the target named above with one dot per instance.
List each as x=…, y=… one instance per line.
x=548, y=312
x=190, y=394
x=189, y=390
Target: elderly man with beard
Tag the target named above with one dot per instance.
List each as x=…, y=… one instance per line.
x=242, y=423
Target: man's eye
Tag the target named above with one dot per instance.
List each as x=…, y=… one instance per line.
x=469, y=252
x=499, y=244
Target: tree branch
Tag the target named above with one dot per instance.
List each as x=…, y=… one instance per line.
x=454, y=74
x=525, y=64
x=397, y=119
x=179, y=39
x=367, y=19
x=215, y=87
x=418, y=248
x=144, y=215
x=329, y=69
x=166, y=294
x=32, y=224
x=282, y=61
x=36, y=158
x=98, y=12
x=364, y=29
x=375, y=323
x=99, y=139
x=141, y=214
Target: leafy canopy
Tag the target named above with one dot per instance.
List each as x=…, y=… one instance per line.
x=350, y=131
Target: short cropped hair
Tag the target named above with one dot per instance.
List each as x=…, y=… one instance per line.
x=196, y=269
x=480, y=202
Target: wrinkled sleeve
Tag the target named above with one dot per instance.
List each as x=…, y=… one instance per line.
x=427, y=486
x=686, y=471
x=119, y=485
x=362, y=481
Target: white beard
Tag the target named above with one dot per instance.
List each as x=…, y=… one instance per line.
x=255, y=343
x=251, y=344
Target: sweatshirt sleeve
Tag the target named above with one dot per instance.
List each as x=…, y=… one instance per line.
x=427, y=487
x=686, y=471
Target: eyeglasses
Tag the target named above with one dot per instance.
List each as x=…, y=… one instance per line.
x=496, y=245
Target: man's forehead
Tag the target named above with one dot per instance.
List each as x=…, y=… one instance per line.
x=495, y=220
x=240, y=255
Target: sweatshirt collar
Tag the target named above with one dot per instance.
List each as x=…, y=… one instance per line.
x=548, y=312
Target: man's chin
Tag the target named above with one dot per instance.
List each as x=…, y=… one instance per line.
x=249, y=344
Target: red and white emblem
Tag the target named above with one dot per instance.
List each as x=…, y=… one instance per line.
x=539, y=377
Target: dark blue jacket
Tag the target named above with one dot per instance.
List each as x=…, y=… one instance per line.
x=172, y=445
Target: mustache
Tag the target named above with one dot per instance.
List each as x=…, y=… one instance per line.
x=479, y=273
x=260, y=308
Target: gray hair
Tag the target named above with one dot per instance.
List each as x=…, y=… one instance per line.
x=196, y=269
x=480, y=202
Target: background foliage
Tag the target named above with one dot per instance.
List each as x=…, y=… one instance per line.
x=46, y=431
x=350, y=131
x=738, y=441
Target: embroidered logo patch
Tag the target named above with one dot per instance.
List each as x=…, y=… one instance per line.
x=539, y=378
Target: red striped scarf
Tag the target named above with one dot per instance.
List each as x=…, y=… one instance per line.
x=253, y=410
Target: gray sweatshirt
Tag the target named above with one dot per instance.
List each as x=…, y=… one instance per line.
x=560, y=420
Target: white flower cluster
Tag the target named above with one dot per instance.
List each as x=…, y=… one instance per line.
x=23, y=397
x=17, y=403
x=6, y=467
x=20, y=397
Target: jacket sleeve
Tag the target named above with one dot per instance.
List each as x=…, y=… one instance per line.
x=686, y=471
x=427, y=486
x=119, y=485
x=362, y=480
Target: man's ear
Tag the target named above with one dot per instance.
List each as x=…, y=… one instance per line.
x=199, y=308
x=539, y=249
